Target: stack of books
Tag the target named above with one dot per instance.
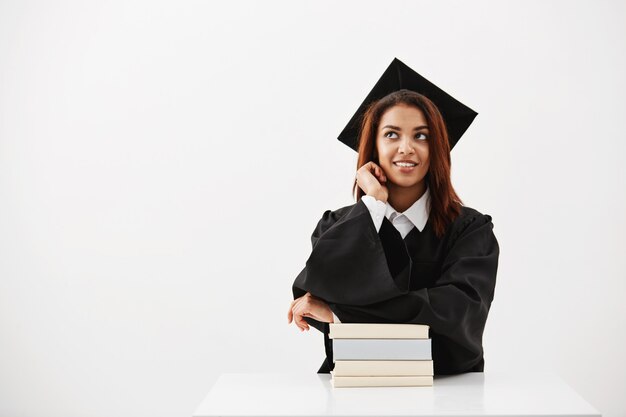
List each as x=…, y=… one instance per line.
x=381, y=355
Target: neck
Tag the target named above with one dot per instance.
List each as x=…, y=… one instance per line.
x=401, y=198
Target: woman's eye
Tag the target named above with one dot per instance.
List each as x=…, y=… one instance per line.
x=394, y=135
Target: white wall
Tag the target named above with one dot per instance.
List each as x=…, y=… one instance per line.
x=162, y=166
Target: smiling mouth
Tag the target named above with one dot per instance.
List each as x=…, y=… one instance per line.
x=405, y=164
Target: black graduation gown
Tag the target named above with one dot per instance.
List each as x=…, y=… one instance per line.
x=367, y=276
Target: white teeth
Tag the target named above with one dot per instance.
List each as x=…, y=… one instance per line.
x=405, y=164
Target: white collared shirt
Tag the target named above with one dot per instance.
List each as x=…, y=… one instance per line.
x=414, y=216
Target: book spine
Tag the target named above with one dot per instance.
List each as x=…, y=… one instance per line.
x=383, y=368
x=382, y=381
x=377, y=331
x=382, y=349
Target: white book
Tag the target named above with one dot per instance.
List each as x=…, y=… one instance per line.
x=378, y=331
x=381, y=381
x=381, y=349
x=383, y=368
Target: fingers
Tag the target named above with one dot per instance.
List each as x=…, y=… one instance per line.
x=303, y=324
x=379, y=173
x=299, y=311
x=383, y=177
x=290, y=312
x=314, y=308
x=300, y=322
x=375, y=170
x=295, y=314
x=302, y=307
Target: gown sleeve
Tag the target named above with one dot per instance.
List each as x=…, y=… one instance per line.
x=348, y=264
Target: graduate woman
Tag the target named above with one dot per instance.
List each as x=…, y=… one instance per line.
x=407, y=251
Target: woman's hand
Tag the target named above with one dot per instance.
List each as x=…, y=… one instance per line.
x=372, y=179
x=308, y=306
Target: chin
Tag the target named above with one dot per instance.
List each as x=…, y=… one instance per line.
x=405, y=184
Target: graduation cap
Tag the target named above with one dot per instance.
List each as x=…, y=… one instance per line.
x=456, y=115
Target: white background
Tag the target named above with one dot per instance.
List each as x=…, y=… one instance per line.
x=162, y=166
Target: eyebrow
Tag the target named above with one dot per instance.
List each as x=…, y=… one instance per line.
x=397, y=128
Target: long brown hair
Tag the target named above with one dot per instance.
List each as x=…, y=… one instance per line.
x=445, y=204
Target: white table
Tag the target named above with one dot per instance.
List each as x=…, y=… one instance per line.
x=472, y=394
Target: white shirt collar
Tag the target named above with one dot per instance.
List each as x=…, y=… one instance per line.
x=417, y=214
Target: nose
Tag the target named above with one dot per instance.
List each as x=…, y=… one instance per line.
x=406, y=147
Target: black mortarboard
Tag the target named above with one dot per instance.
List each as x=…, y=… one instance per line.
x=397, y=76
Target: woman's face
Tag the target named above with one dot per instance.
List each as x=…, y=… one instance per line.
x=402, y=145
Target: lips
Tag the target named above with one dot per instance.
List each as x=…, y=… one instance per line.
x=405, y=164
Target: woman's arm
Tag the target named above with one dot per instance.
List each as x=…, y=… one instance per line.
x=309, y=306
